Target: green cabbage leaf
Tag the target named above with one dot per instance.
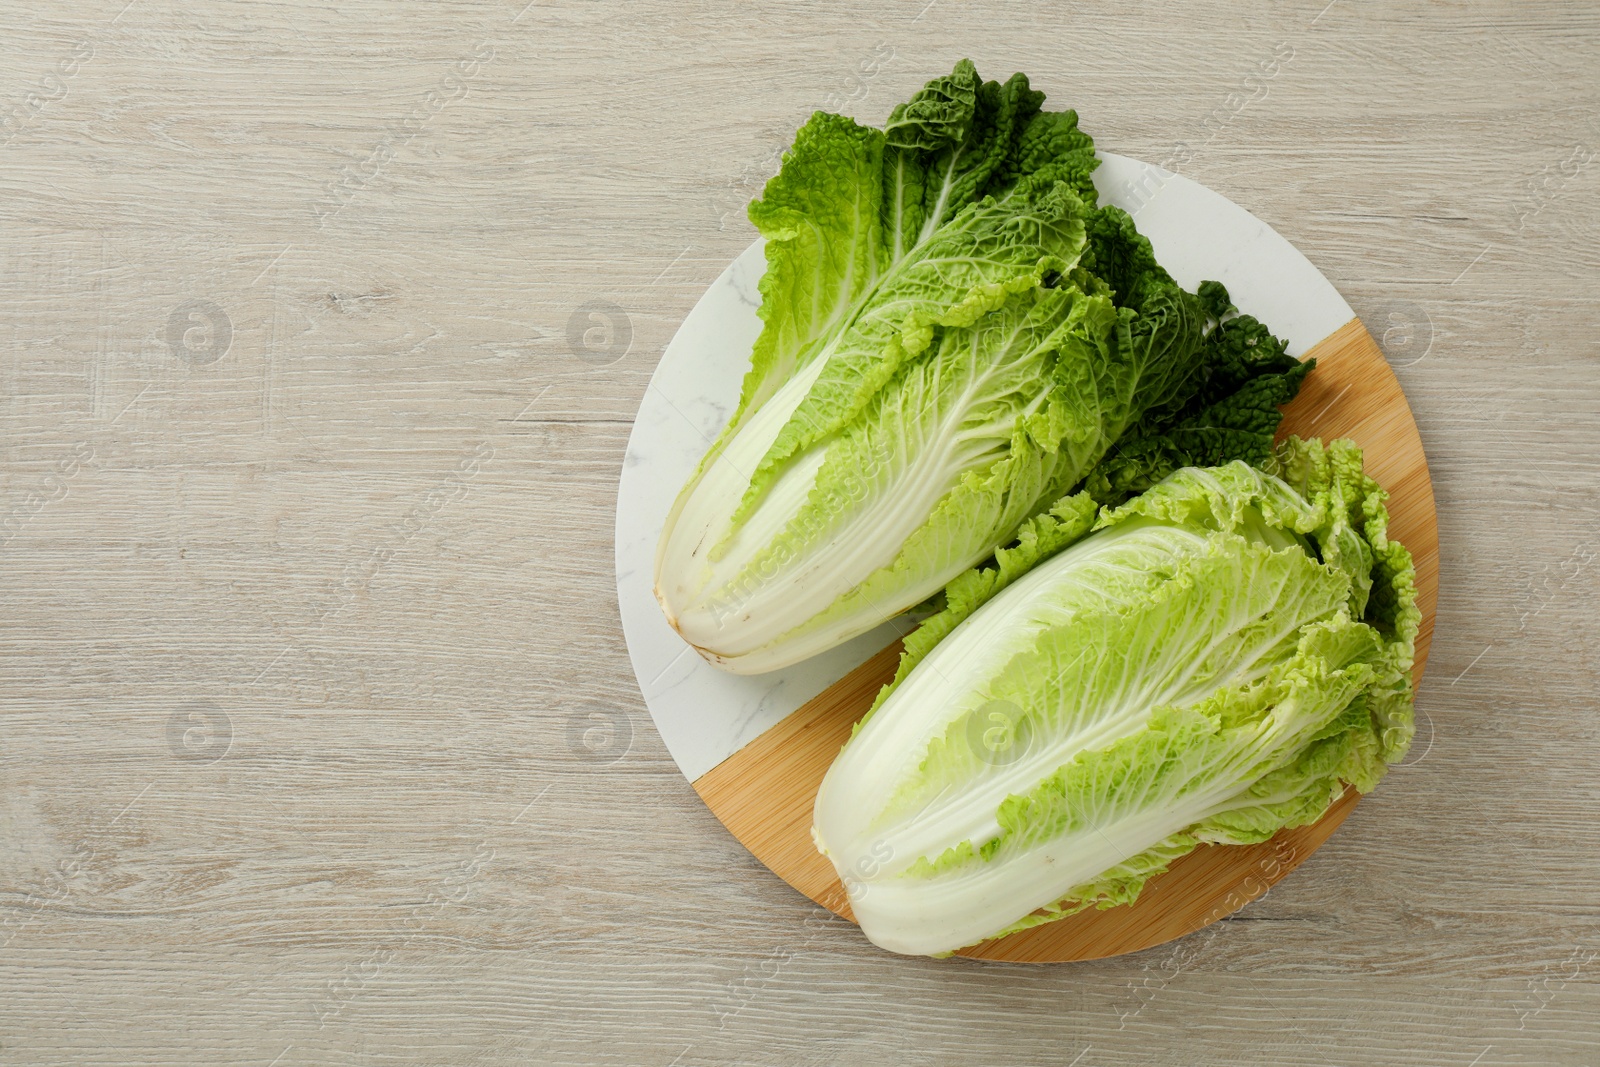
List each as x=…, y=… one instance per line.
x=1212, y=660
x=955, y=336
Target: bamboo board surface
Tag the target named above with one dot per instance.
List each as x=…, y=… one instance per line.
x=764, y=792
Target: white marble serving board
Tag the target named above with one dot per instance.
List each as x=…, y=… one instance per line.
x=706, y=715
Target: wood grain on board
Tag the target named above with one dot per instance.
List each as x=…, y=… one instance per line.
x=764, y=792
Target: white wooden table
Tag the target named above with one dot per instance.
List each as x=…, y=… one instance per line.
x=323, y=329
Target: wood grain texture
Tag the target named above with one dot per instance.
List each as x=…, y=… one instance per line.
x=411, y=637
x=764, y=793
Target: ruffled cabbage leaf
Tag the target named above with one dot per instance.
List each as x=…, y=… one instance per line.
x=954, y=336
x=1213, y=662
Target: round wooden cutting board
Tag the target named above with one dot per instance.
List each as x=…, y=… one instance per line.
x=764, y=792
x=756, y=747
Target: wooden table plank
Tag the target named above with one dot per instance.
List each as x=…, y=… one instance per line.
x=351, y=537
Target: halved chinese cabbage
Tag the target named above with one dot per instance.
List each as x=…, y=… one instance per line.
x=1212, y=663
x=954, y=336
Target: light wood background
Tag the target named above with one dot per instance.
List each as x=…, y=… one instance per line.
x=318, y=739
